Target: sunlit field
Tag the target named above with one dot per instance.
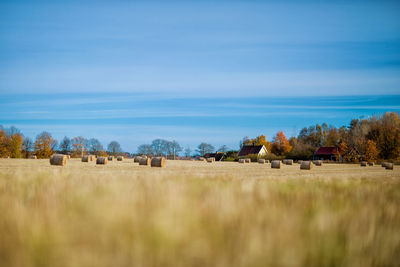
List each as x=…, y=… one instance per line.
x=197, y=214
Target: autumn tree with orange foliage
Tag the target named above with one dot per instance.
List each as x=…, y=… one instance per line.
x=15, y=145
x=260, y=140
x=280, y=144
x=4, y=143
x=10, y=142
x=372, y=152
x=43, y=145
x=344, y=151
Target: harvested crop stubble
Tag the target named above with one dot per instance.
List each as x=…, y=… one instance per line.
x=306, y=165
x=102, y=160
x=58, y=160
x=158, y=162
x=276, y=164
x=194, y=214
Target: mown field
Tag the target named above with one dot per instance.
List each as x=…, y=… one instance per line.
x=197, y=214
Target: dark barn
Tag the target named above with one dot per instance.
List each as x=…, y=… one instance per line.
x=327, y=153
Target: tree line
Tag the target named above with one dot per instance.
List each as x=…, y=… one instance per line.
x=377, y=137
x=373, y=138
x=13, y=144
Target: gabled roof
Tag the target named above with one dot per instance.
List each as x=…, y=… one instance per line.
x=218, y=156
x=326, y=150
x=247, y=150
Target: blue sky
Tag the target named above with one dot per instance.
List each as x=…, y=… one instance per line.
x=195, y=71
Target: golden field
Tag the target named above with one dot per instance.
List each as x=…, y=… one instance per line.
x=197, y=214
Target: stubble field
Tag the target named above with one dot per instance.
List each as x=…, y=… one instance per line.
x=197, y=214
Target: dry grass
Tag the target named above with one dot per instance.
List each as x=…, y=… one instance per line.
x=197, y=214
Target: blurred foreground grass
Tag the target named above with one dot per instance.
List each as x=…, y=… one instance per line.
x=81, y=218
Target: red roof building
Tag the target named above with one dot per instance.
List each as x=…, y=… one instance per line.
x=217, y=155
x=253, y=150
x=327, y=153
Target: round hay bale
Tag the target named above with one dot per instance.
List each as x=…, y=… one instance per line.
x=210, y=160
x=110, y=158
x=389, y=166
x=242, y=161
x=248, y=160
x=137, y=159
x=158, y=162
x=288, y=161
x=261, y=161
x=371, y=163
x=202, y=159
x=317, y=162
x=86, y=158
x=58, y=160
x=384, y=164
x=6, y=157
x=306, y=165
x=276, y=164
x=145, y=161
x=120, y=158
x=102, y=160
x=299, y=161
x=33, y=157
x=363, y=164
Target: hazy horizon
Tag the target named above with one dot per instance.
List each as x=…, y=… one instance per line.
x=137, y=119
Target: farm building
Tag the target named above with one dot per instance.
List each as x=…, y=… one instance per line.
x=327, y=153
x=217, y=155
x=253, y=150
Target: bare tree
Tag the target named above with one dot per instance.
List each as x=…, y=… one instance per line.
x=187, y=152
x=176, y=148
x=65, y=145
x=95, y=147
x=114, y=148
x=79, y=145
x=223, y=149
x=145, y=149
x=158, y=146
x=27, y=146
x=204, y=148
